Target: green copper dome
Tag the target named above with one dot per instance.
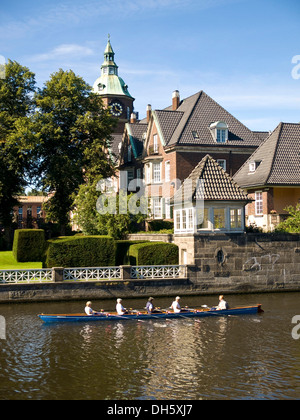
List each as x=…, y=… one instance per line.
x=109, y=83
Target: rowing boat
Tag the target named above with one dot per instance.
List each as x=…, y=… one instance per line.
x=141, y=316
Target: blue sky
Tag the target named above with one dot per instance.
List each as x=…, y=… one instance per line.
x=238, y=51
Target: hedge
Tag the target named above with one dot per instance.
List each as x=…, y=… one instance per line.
x=29, y=245
x=154, y=253
x=81, y=251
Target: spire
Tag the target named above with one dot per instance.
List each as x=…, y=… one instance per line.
x=109, y=66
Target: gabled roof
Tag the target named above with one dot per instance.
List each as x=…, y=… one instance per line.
x=217, y=185
x=278, y=159
x=195, y=115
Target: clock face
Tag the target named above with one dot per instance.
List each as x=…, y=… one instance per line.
x=116, y=109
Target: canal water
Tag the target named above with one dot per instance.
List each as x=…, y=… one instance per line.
x=245, y=357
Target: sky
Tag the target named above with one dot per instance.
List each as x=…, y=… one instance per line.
x=245, y=54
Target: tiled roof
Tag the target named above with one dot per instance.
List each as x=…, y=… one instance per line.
x=197, y=113
x=217, y=185
x=278, y=159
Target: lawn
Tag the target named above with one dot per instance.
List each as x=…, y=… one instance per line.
x=7, y=262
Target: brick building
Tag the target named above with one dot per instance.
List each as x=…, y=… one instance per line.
x=168, y=144
x=30, y=211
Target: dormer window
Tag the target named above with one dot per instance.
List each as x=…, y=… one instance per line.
x=219, y=131
x=254, y=165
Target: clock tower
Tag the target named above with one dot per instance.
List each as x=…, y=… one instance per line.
x=114, y=90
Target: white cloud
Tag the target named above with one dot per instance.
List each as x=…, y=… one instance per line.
x=64, y=51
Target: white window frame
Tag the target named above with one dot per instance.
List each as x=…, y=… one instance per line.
x=156, y=173
x=157, y=207
x=222, y=163
x=259, y=203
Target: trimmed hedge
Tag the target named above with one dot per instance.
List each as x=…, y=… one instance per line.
x=29, y=245
x=154, y=253
x=81, y=251
x=122, y=251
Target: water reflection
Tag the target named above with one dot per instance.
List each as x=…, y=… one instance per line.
x=234, y=357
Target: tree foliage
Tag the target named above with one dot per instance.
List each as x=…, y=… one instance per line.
x=16, y=104
x=292, y=223
x=70, y=131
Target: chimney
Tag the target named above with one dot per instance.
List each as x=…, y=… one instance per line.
x=175, y=100
x=149, y=111
x=133, y=118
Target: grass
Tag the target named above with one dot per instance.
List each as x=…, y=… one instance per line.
x=7, y=262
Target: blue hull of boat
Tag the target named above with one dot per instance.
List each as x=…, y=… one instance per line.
x=249, y=310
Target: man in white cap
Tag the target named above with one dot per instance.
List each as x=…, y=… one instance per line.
x=175, y=305
x=120, y=308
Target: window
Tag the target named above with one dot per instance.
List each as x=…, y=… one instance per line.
x=221, y=136
x=219, y=131
x=155, y=144
x=202, y=218
x=219, y=219
x=190, y=221
x=236, y=218
x=195, y=135
x=259, y=209
x=157, y=208
x=129, y=153
x=130, y=177
x=167, y=171
x=222, y=163
x=148, y=174
x=20, y=213
x=177, y=220
x=156, y=173
x=254, y=165
x=183, y=219
x=138, y=174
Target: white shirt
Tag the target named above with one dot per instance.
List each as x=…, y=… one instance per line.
x=120, y=309
x=176, y=307
x=222, y=305
x=88, y=310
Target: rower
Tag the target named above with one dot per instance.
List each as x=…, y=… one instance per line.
x=88, y=309
x=176, y=306
x=223, y=305
x=150, y=307
x=120, y=308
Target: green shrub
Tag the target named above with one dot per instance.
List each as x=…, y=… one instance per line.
x=122, y=251
x=154, y=253
x=81, y=251
x=29, y=245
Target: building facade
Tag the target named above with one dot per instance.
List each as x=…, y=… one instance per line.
x=165, y=147
x=271, y=177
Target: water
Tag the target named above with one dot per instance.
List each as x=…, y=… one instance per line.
x=246, y=357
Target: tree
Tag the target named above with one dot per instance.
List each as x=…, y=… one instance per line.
x=16, y=91
x=71, y=130
x=114, y=222
x=292, y=223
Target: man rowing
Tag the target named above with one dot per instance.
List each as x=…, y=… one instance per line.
x=88, y=309
x=223, y=305
x=176, y=306
x=151, y=308
x=120, y=308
